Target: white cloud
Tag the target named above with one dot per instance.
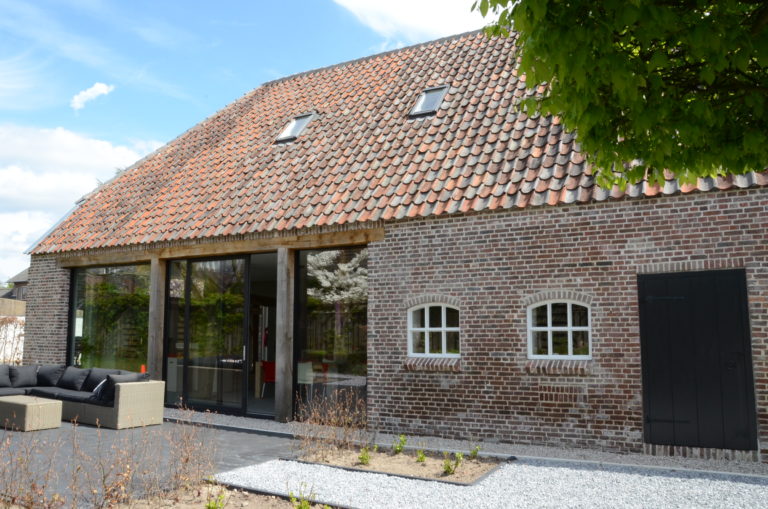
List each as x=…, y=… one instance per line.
x=408, y=21
x=18, y=230
x=43, y=172
x=89, y=94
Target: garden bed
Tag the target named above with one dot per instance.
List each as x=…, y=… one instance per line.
x=405, y=464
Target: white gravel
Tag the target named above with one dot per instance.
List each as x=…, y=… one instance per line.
x=519, y=450
x=523, y=483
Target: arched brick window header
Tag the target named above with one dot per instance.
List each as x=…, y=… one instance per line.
x=431, y=298
x=554, y=295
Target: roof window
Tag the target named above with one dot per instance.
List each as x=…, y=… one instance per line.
x=429, y=101
x=295, y=127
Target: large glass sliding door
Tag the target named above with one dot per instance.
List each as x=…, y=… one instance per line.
x=205, y=341
x=220, y=347
x=216, y=333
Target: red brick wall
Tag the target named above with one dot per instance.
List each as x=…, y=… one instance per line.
x=45, y=340
x=495, y=264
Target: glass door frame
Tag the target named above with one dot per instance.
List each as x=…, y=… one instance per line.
x=242, y=410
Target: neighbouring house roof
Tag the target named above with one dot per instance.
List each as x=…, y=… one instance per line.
x=361, y=158
x=22, y=277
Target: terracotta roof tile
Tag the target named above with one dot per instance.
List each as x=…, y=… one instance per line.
x=362, y=158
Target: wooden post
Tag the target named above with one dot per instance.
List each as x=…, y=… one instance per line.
x=156, y=318
x=286, y=272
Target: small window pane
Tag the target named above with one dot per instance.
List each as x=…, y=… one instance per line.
x=435, y=316
x=580, y=316
x=452, y=342
x=294, y=127
x=540, y=343
x=560, y=343
x=451, y=317
x=560, y=314
x=429, y=101
x=418, y=342
x=540, y=316
x=435, y=342
x=418, y=318
x=580, y=342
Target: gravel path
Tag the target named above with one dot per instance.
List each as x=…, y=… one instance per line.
x=523, y=483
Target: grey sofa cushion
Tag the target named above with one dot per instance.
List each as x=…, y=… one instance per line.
x=5, y=375
x=61, y=394
x=108, y=393
x=23, y=376
x=73, y=378
x=49, y=374
x=96, y=376
x=12, y=391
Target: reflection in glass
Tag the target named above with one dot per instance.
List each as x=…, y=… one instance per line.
x=435, y=316
x=540, y=316
x=332, y=319
x=580, y=342
x=451, y=317
x=216, y=319
x=580, y=316
x=418, y=318
x=560, y=314
x=419, y=343
x=435, y=342
x=540, y=343
x=174, y=332
x=110, y=314
x=452, y=342
x=560, y=342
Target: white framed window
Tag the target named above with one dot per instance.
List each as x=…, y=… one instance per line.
x=433, y=331
x=559, y=329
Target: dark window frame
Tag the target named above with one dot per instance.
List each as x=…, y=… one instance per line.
x=417, y=112
x=289, y=133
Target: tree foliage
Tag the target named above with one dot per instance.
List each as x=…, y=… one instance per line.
x=648, y=85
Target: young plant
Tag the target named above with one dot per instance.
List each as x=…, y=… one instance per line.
x=375, y=447
x=474, y=452
x=420, y=456
x=217, y=502
x=449, y=467
x=399, y=444
x=365, y=456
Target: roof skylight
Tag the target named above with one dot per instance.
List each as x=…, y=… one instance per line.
x=295, y=127
x=429, y=101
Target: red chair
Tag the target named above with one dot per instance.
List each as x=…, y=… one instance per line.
x=268, y=375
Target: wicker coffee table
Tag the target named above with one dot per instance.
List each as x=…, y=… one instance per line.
x=28, y=413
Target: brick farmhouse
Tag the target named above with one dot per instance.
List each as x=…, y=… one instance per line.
x=397, y=227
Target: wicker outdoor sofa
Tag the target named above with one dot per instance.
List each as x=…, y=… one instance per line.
x=114, y=399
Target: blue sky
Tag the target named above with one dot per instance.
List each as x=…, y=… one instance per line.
x=90, y=86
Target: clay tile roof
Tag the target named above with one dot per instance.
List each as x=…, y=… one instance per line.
x=361, y=158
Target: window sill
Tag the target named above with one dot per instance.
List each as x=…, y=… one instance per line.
x=561, y=367
x=434, y=364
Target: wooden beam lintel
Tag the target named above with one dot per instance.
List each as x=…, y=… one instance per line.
x=312, y=241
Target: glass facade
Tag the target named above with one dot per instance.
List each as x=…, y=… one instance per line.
x=110, y=313
x=206, y=302
x=332, y=308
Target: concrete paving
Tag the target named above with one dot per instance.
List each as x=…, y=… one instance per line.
x=53, y=457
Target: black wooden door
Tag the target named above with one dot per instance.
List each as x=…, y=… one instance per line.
x=697, y=360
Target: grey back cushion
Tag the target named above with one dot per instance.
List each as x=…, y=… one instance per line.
x=23, y=376
x=5, y=375
x=108, y=392
x=96, y=376
x=73, y=378
x=48, y=375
